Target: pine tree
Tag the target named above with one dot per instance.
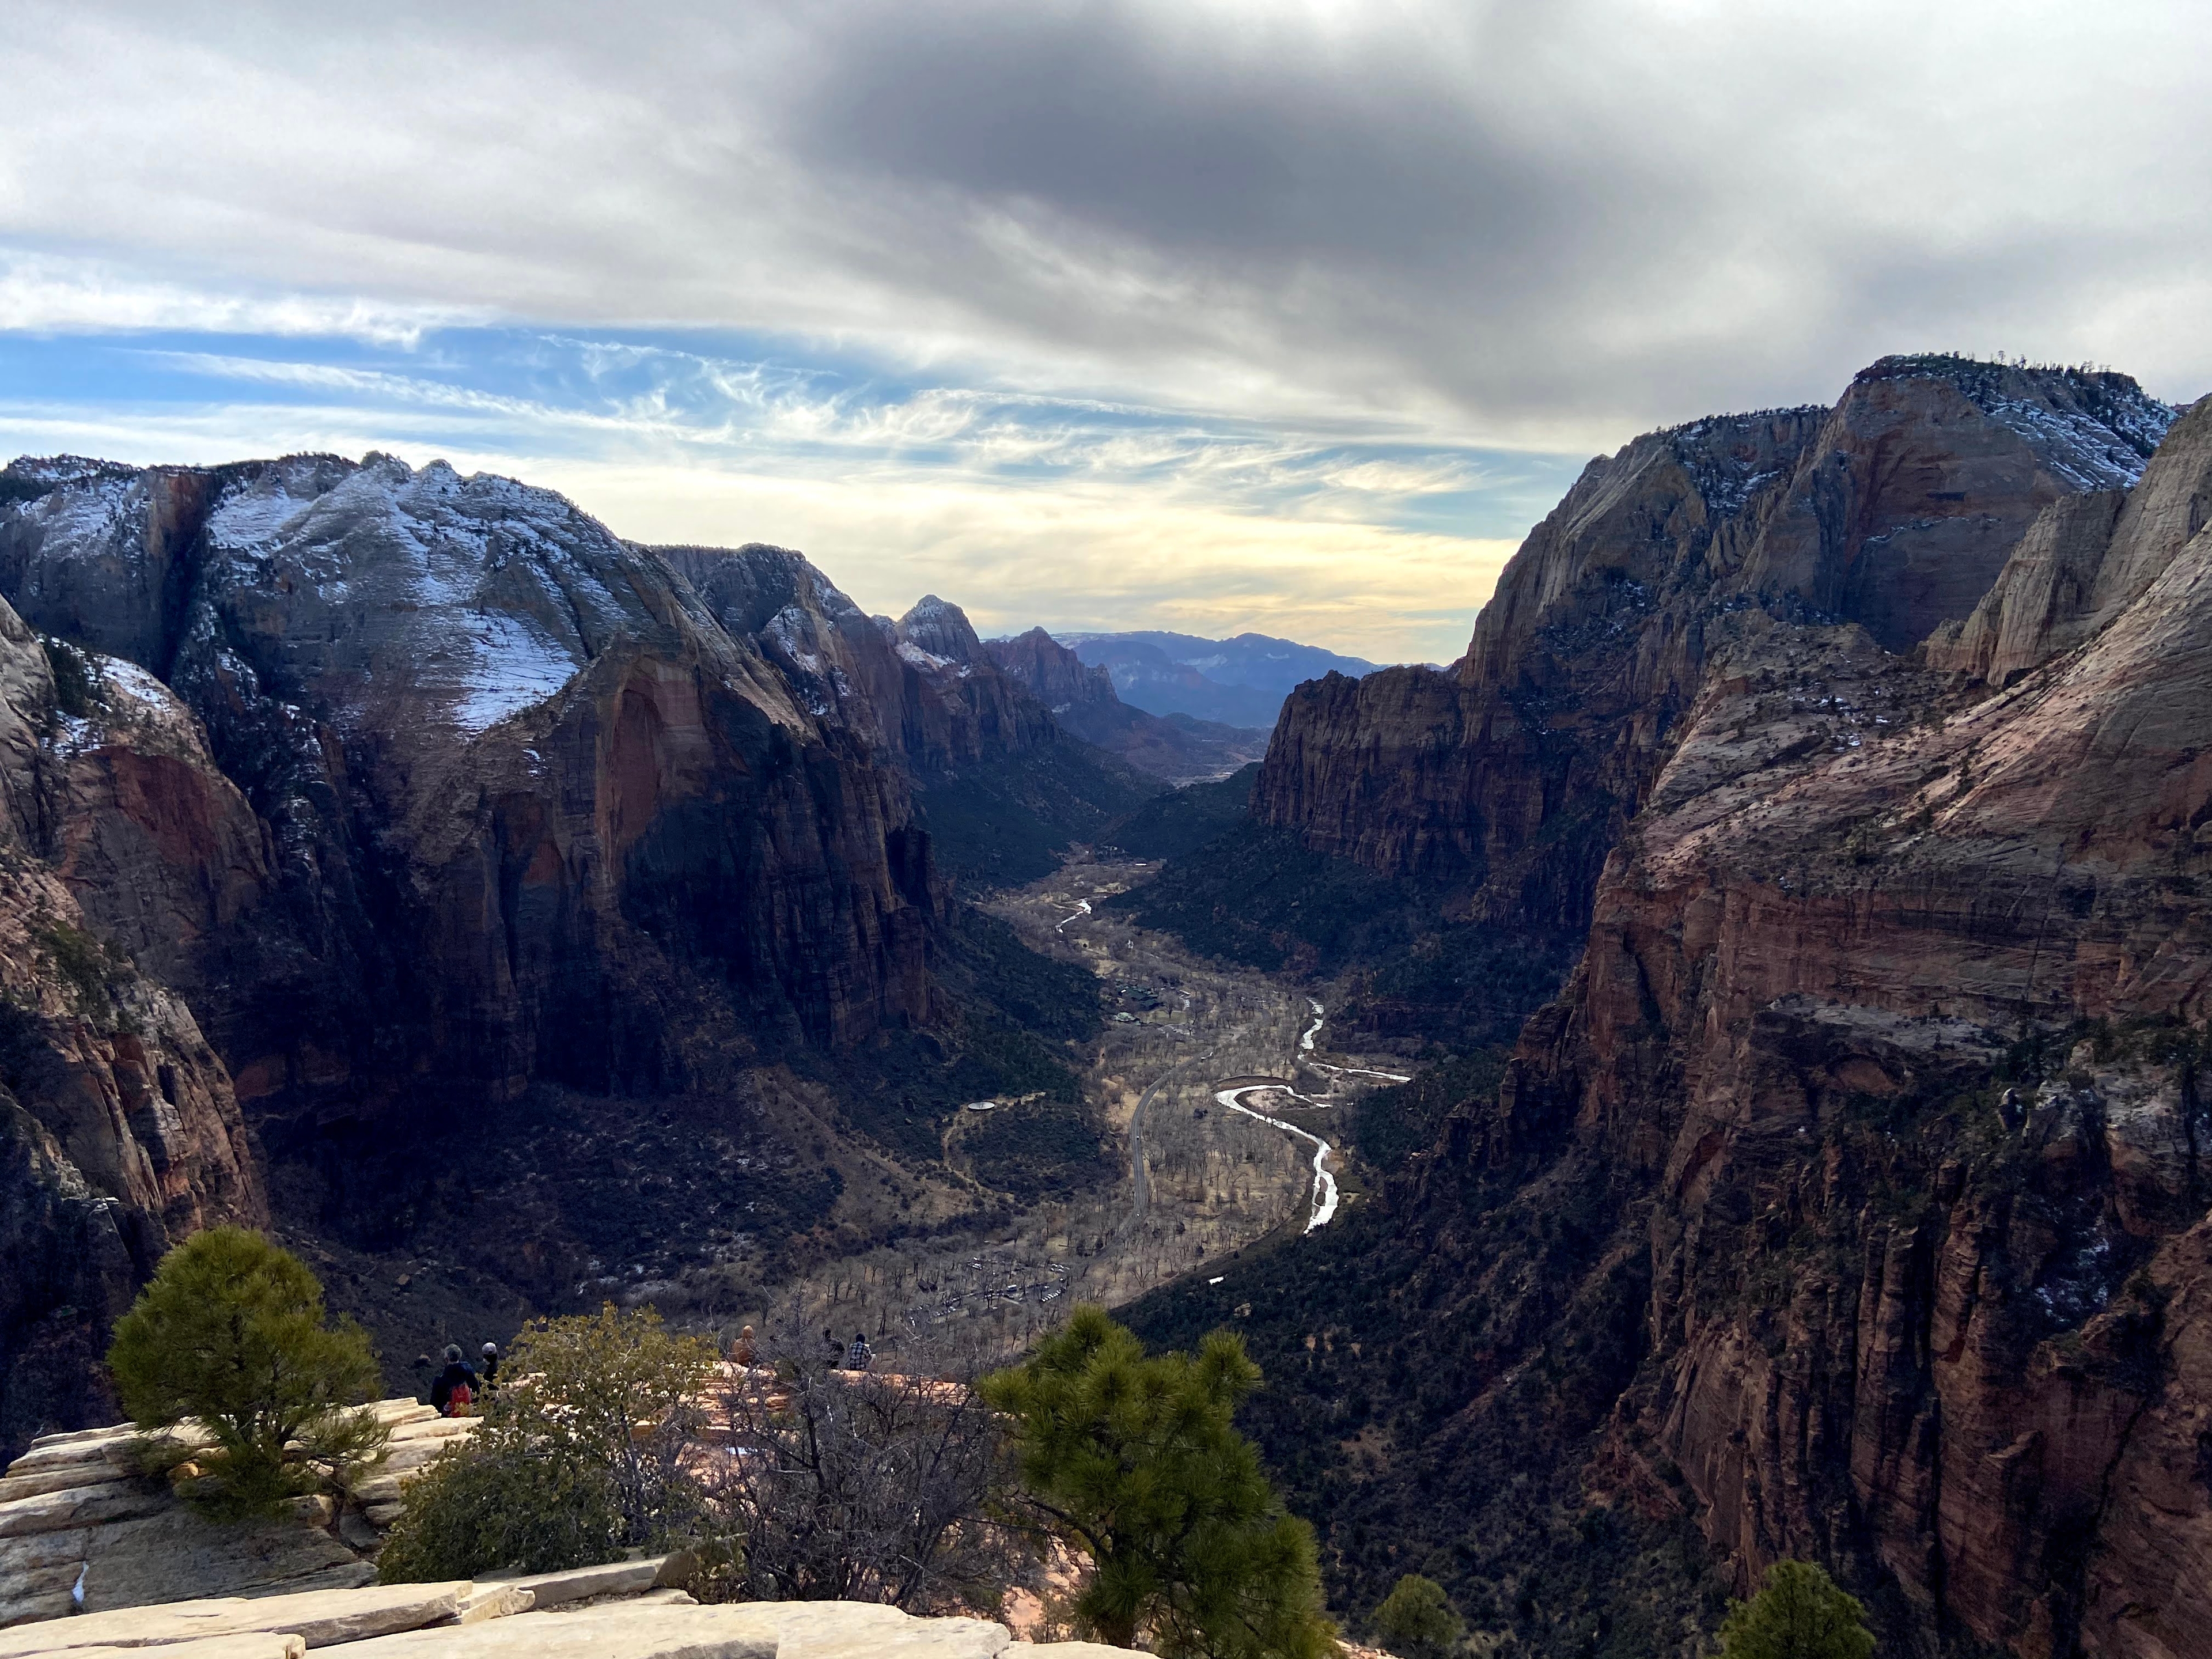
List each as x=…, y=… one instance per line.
x=1799, y=1614
x=230, y=1332
x=1136, y=1461
x=1416, y=1621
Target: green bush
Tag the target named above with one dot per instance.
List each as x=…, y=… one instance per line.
x=1417, y=1620
x=1799, y=1614
x=230, y=1332
x=1137, y=1460
x=502, y=1503
x=580, y=1455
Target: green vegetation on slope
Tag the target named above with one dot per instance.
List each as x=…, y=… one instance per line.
x=1435, y=1381
x=1035, y=1149
x=1182, y=821
x=597, y=1453
x=1389, y=1125
x=1135, y=1459
x=1006, y=821
x=1016, y=1017
x=1798, y=1613
x=230, y=1331
x=1259, y=897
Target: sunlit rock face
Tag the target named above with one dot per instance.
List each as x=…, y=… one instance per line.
x=921, y=691
x=1084, y=701
x=1512, y=774
x=1885, y=1046
x=1855, y=914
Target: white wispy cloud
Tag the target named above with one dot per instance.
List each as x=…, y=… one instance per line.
x=1322, y=282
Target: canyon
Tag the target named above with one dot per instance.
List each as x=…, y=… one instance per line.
x=1796, y=899
x=386, y=847
x=1845, y=1203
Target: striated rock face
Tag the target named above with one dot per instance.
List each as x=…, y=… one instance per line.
x=1888, y=1032
x=922, y=692
x=1055, y=676
x=1513, y=774
x=2085, y=560
x=495, y=771
x=119, y=1131
x=1850, y=1203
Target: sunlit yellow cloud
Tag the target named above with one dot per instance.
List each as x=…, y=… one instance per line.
x=1091, y=552
x=1069, y=560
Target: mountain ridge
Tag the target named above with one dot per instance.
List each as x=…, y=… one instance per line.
x=1845, y=1203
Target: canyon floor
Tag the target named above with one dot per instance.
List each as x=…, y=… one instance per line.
x=1218, y=1088
x=759, y=1202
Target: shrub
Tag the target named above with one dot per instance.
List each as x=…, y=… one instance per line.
x=502, y=1503
x=1417, y=1621
x=861, y=1486
x=580, y=1455
x=230, y=1331
x=1136, y=1461
x=1799, y=1614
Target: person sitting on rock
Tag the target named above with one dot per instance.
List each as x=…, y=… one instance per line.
x=455, y=1390
x=860, y=1356
x=487, y=1364
x=741, y=1352
x=837, y=1349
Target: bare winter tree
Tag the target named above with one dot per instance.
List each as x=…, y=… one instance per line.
x=863, y=1486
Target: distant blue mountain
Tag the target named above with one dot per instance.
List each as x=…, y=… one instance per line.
x=1237, y=682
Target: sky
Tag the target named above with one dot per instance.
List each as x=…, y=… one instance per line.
x=1289, y=317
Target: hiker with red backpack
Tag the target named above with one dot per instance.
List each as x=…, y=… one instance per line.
x=454, y=1393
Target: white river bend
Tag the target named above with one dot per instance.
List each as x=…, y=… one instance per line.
x=1324, y=1184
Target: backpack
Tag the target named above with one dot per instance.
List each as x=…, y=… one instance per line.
x=458, y=1401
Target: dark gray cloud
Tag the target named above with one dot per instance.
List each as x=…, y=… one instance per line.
x=1547, y=222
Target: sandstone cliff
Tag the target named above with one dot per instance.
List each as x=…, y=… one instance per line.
x=1895, y=1019
x=2085, y=559
x=437, y=807
x=1511, y=774
x=1849, y=1201
x=507, y=765
x=119, y=1133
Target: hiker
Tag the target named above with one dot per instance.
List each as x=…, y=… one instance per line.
x=837, y=1349
x=455, y=1390
x=860, y=1356
x=488, y=1366
x=742, y=1353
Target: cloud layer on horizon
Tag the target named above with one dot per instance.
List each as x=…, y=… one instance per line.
x=1287, y=241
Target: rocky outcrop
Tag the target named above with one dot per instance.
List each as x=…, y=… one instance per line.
x=1512, y=775
x=118, y=1565
x=2085, y=560
x=119, y=1131
x=503, y=771
x=1888, y=1027
x=527, y=1618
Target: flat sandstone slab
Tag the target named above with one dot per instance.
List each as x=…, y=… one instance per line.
x=750, y=1630
x=249, y=1644
x=322, y=1618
